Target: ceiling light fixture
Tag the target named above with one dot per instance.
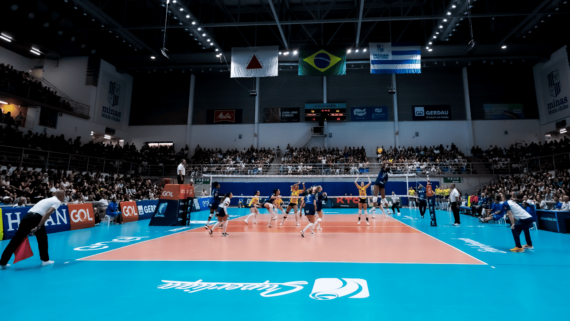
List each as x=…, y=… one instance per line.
x=152, y=57
x=349, y=51
x=3, y=102
x=5, y=38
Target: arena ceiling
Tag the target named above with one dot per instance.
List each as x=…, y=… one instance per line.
x=128, y=32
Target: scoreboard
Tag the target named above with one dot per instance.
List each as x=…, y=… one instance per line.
x=328, y=112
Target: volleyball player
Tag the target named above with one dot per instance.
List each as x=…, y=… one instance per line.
x=412, y=200
x=293, y=203
x=310, y=207
x=319, y=199
x=253, y=208
x=380, y=183
x=422, y=201
x=363, y=201
x=215, y=202
x=278, y=205
x=222, y=215
x=269, y=206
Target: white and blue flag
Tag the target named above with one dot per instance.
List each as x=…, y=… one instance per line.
x=395, y=58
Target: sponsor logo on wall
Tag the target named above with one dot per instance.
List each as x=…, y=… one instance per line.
x=431, y=112
x=224, y=116
x=129, y=211
x=554, y=88
x=369, y=113
x=323, y=289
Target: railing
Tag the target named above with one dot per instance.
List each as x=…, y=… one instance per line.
x=535, y=164
x=27, y=90
x=35, y=159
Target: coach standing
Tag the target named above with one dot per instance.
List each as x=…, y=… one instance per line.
x=523, y=223
x=181, y=171
x=33, y=223
x=455, y=203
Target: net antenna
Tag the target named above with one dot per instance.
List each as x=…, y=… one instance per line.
x=163, y=50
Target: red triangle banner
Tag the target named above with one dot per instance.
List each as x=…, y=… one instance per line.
x=254, y=63
x=23, y=251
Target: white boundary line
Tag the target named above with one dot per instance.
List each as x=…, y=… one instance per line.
x=296, y=262
x=440, y=241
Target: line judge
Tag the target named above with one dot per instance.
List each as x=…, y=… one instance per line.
x=181, y=171
x=34, y=222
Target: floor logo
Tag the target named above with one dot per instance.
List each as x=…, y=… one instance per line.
x=323, y=289
x=329, y=289
x=480, y=246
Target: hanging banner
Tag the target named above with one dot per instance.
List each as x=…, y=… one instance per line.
x=369, y=113
x=224, y=116
x=320, y=62
x=553, y=82
x=111, y=102
x=504, y=111
x=281, y=115
x=431, y=112
x=395, y=58
x=253, y=62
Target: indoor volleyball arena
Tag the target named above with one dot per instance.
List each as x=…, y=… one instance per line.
x=284, y=160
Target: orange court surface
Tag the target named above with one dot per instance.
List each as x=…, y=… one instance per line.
x=385, y=240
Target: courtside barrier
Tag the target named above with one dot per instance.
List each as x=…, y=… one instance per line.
x=72, y=216
x=129, y=211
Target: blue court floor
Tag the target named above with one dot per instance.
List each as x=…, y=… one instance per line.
x=509, y=286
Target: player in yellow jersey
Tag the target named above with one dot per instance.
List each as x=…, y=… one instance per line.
x=293, y=204
x=363, y=200
x=278, y=205
x=412, y=200
x=253, y=208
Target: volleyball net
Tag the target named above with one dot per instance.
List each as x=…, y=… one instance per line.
x=341, y=190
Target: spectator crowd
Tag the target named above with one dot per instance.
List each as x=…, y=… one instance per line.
x=23, y=84
x=21, y=187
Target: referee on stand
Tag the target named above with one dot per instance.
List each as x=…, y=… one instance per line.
x=181, y=171
x=33, y=223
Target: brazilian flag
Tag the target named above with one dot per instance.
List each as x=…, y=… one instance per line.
x=321, y=62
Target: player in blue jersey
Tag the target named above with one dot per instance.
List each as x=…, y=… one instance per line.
x=310, y=208
x=320, y=197
x=422, y=200
x=379, y=184
x=215, y=202
x=269, y=205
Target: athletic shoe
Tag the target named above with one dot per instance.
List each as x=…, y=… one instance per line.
x=528, y=247
x=456, y=224
x=269, y=225
x=224, y=234
x=246, y=223
x=206, y=227
x=280, y=224
x=422, y=216
x=374, y=217
x=517, y=250
x=211, y=232
x=358, y=222
x=298, y=224
x=4, y=267
x=312, y=233
x=303, y=233
x=46, y=263
x=320, y=228
x=367, y=222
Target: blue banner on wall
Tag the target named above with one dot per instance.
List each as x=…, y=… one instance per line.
x=11, y=217
x=166, y=213
x=146, y=209
x=369, y=113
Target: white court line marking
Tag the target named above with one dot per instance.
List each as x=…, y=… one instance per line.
x=289, y=262
x=186, y=230
x=442, y=242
